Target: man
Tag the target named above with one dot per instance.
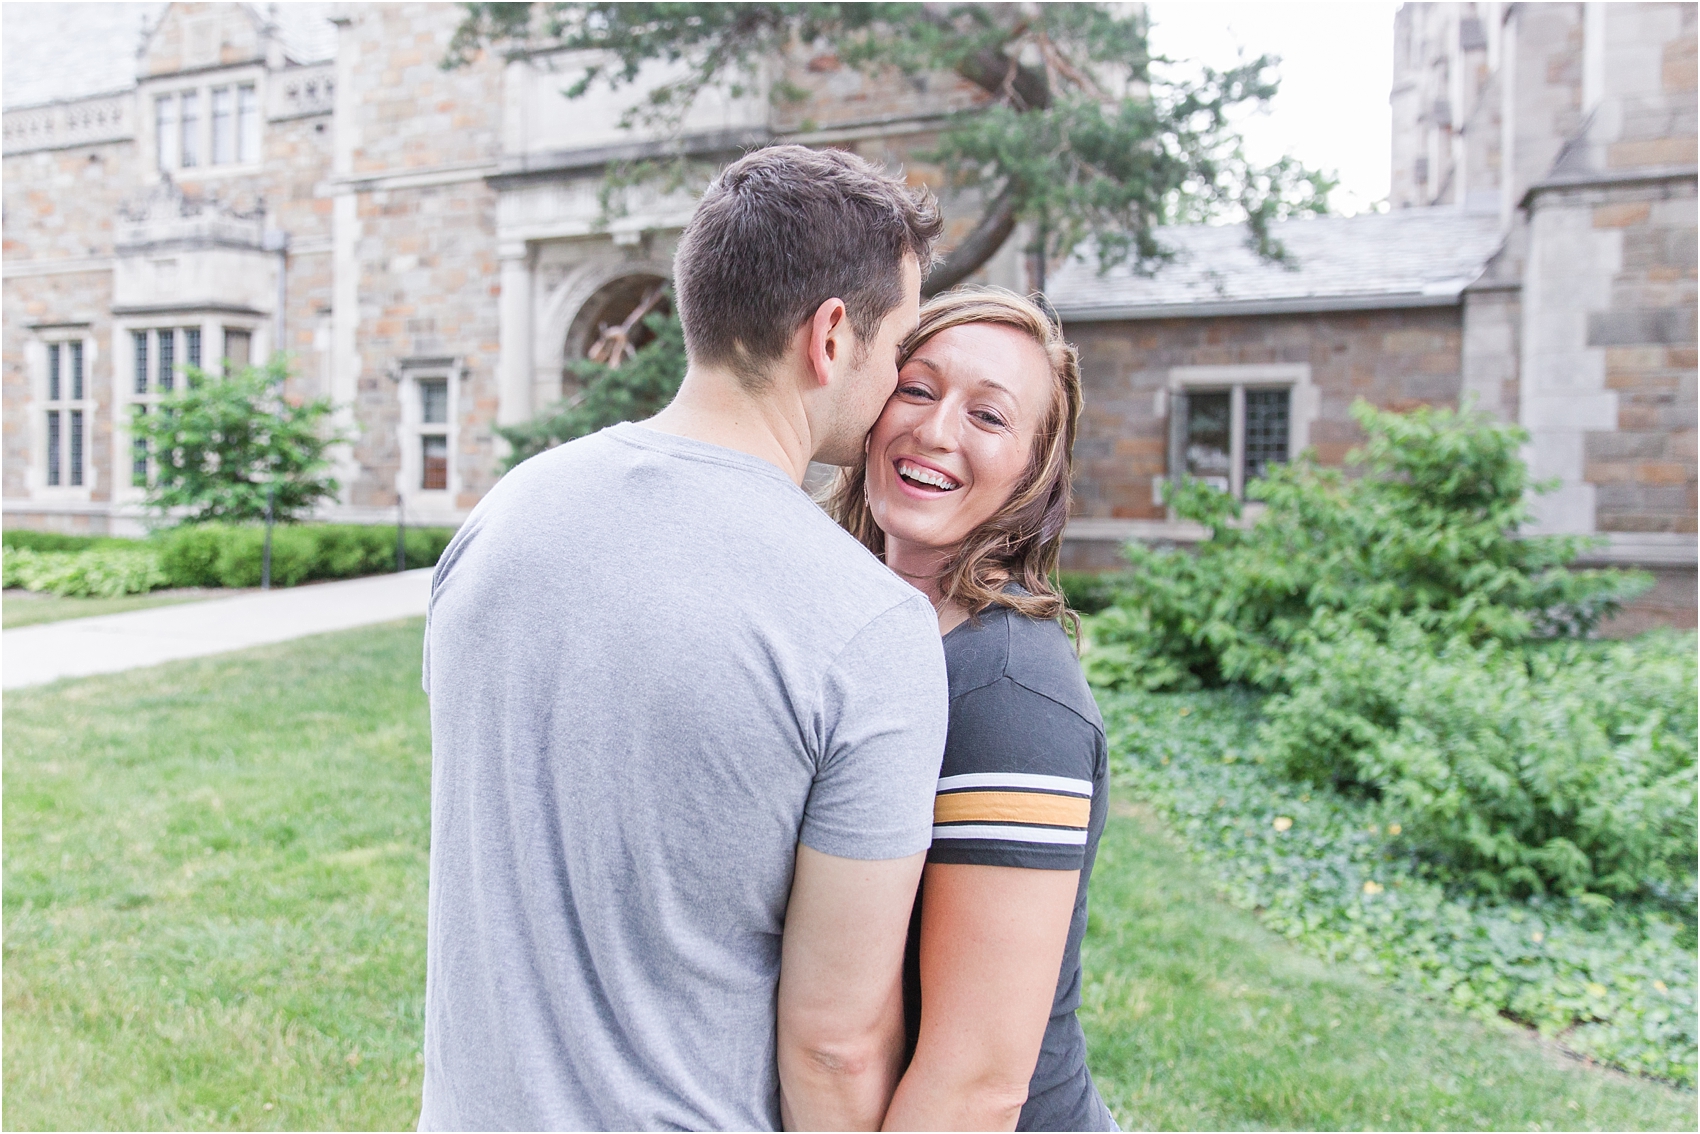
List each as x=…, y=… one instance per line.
x=685, y=730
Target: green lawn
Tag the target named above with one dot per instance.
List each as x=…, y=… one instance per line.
x=214, y=909
x=26, y=608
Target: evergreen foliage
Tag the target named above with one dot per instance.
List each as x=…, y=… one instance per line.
x=211, y=555
x=1080, y=130
x=1426, y=658
x=1336, y=873
x=639, y=388
x=1428, y=534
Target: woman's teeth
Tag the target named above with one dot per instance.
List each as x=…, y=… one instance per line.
x=928, y=477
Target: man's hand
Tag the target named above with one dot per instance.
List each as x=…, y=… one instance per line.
x=841, y=989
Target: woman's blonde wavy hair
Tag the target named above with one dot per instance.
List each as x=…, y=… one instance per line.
x=1023, y=539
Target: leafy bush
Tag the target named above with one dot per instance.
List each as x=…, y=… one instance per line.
x=1569, y=766
x=1335, y=873
x=641, y=388
x=106, y=572
x=223, y=447
x=1428, y=534
x=224, y=555
x=214, y=555
x=58, y=541
x=1090, y=592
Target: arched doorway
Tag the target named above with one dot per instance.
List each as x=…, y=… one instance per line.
x=609, y=328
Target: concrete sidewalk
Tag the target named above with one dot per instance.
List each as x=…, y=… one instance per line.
x=35, y=655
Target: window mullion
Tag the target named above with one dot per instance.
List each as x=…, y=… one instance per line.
x=1236, y=442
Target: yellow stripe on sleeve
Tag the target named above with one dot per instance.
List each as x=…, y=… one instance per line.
x=1012, y=807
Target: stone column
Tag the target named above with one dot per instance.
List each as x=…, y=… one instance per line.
x=514, y=385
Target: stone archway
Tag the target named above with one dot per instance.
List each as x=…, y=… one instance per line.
x=610, y=328
x=582, y=289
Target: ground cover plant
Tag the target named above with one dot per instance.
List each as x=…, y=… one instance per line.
x=209, y=555
x=214, y=901
x=1200, y=1017
x=1334, y=874
x=1421, y=673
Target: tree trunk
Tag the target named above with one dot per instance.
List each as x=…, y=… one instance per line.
x=994, y=227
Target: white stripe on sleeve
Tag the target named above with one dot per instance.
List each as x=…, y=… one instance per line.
x=1011, y=834
x=1016, y=780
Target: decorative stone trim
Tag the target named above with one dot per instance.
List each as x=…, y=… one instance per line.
x=301, y=92
x=65, y=124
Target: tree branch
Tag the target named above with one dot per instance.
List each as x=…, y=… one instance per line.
x=994, y=227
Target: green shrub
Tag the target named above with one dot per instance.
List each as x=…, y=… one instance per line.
x=1428, y=534
x=1089, y=592
x=58, y=541
x=1565, y=766
x=1334, y=873
x=639, y=388
x=229, y=448
x=106, y=572
x=229, y=555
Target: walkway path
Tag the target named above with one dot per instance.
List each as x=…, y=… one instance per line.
x=35, y=655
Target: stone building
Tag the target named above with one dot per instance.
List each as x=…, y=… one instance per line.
x=225, y=180
x=1539, y=259
x=429, y=248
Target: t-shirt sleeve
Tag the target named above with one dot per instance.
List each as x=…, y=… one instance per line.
x=884, y=708
x=1016, y=785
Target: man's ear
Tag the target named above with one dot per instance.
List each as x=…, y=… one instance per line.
x=829, y=340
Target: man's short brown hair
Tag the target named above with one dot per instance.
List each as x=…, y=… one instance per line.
x=781, y=231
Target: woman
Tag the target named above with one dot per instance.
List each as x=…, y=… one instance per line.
x=964, y=490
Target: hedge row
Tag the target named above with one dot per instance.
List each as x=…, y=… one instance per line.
x=210, y=555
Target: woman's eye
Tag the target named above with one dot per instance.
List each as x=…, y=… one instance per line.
x=914, y=391
x=989, y=418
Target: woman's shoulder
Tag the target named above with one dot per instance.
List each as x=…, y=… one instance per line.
x=1034, y=654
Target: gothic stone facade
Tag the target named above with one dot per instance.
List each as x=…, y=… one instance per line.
x=1570, y=131
x=426, y=245
x=428, y=248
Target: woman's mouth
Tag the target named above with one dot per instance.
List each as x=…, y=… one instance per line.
x=923, y=477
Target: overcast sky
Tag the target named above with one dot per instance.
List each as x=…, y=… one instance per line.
x=1336, y=72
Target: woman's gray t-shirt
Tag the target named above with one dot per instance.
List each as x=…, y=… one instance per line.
x=655, y=666
x=1025, y=783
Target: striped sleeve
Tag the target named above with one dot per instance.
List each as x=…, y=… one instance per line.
x=1017, y=782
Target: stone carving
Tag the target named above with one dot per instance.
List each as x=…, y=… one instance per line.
x=68, y=124
x=165, y=214
x=302, y=92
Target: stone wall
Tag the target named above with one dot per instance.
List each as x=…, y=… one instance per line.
x=1643, y=470
x=1393, y=359
x=420, y=250
x=59, y=209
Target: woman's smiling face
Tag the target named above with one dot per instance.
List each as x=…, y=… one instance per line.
x=957, y=435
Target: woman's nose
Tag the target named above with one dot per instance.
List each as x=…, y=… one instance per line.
x=935, y=430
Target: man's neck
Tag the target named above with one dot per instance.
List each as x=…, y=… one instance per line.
x=712, y=406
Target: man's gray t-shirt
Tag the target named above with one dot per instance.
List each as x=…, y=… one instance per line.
x=654, y=666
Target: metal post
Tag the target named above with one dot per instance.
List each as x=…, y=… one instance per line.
x=266, y=549
x=400, y=534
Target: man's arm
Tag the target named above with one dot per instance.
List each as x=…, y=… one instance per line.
x=841, y=989
x=992, y=941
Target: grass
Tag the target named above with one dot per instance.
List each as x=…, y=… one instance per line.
x=214, y=917
x=215, y=891
x=1198, y=1018
x=27, y=608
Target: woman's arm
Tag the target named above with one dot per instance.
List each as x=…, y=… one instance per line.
x=992, y=940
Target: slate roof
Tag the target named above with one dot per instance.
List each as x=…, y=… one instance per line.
x=60, y=52
x=1409, y=258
